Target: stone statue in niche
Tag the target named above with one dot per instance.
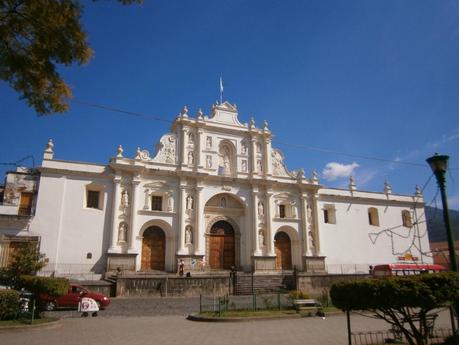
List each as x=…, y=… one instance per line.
x=124, y=199
x=261, y=239
x=190, y=138
x=188, y=235
x=244, y=166
x=170, y=202
x=209, y=142
x=261, y=208
x=226, y=164
x=243, y=148
x=122, y=233
x=259, y=166
x=223, y=202
x=190, y=158
x=258, y=147
x=208, y=162
x=189, y=202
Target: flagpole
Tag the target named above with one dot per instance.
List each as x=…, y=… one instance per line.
x=221, y=90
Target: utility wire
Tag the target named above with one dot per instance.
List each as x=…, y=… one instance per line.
x=18, y=162
x=297, y=146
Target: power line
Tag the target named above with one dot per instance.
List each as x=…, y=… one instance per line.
x=297, y=146
x=18, y=162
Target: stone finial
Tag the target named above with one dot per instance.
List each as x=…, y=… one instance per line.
x=119, y=152
x=49, y=150
x=184, y=111
x=265, y=125
x=300, y=175
x=252, y=122
x=315, y=177
x=387, y=187
x=200, y=114
x=138, y=153
x=418, y=192
x=352, y=185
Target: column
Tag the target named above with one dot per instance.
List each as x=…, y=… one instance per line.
x=115, y=213
x=255, y=222
x=315, y=224
x=133, y=226
x=181, y=148
x=304, y=225
x=199, y=231
x=269, y=235
x=253, y=153
x=268, y=160
x=181, y=211
x=197, y=151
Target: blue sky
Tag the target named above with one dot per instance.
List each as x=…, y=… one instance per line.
x=367, y=78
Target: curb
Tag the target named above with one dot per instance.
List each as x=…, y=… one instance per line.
x=197, y=317
x=50, y=324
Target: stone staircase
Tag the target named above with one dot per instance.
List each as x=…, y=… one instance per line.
x=112, y=278
x=248, y=284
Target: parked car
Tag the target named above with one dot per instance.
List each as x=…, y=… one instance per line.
x=71, y=299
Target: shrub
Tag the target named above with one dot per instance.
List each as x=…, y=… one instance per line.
x=452, y=340
x=403, y=302
x=9, y=304
x=48, y=285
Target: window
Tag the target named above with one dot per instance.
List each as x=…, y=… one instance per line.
x=406, y=219
x=329, y=214
x=94, y=196
x=92, y=199
x=25, y=205
x=373, y=217
x=157, y=203
x=282, y=211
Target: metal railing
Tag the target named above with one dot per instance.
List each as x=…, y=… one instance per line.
x=222, y=304
x=384, y=337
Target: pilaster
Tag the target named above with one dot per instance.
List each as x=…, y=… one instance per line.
x=268, y=158
x=253, y=156
x=133, y=226
x=269, y=234
x=257, y=249
x=182, y=216
x=199, y=232
x=115, y=214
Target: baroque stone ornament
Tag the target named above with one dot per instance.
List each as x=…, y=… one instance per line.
x=387, y=187
x=166, y=149
x=119, y=152
x=200, y=114
x=418, y=193
x=279, y=168
x=122, y=232
x=49, y=146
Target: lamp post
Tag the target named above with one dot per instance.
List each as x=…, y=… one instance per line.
x=439, y=165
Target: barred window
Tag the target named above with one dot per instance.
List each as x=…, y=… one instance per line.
x=92, y=199
x=156, y=203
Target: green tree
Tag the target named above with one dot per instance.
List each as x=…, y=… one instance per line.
x=26, y=260
x=35, y=36
x=407, y=303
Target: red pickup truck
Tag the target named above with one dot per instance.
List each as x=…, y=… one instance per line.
x=71, y=299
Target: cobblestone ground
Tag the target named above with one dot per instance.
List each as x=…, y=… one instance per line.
x=124, y=323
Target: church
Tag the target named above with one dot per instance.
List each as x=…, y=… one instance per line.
x=215, y=195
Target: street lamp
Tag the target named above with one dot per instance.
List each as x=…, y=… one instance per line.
x=439, y=165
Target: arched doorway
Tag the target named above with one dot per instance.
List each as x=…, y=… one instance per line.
x=221, y=246
x=283, y=250
x=153, y=249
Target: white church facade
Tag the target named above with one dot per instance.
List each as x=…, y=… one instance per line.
x=218, y=196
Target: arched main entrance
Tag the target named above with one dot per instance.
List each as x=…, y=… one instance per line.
x=283, y=248
x=153, y=249
x=221, y=246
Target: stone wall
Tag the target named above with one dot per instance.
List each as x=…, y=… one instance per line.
x=319, y=284
x=168, y=286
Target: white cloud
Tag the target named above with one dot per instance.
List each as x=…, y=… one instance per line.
x=334, y=170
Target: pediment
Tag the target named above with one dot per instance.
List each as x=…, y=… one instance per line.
x=157, y=185
x=225, y=113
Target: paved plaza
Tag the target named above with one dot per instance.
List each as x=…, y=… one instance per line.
x=169, y=326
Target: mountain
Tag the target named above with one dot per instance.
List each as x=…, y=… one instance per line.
x=436, y=226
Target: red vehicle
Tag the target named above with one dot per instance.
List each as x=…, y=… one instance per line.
x=71, y=299
x=405, y=269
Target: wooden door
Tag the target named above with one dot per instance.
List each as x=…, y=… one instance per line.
x=153, y=249
x=283, y=250
x=25, y=204
x=222, y=246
